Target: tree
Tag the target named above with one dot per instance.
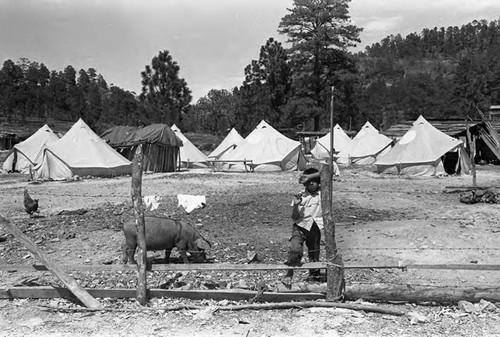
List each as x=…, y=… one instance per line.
x=213, y=113
x=166, y=96
x=120, y=107
x=266, y=87
x=11, y=79
x=320, y=33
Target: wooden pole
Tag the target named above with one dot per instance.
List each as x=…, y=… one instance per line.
x=73, y=286
x=331, y=141
x=473, y=167
x=335, y=264
x=139, y=224
x=472, y=144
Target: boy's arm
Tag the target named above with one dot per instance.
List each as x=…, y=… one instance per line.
x=305, y=177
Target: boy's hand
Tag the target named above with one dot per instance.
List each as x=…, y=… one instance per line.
x=297, y=199
x=303, y=179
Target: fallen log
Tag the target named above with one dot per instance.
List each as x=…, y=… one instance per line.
x=406, y=292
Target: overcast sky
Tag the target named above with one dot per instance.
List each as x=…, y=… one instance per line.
x=211, y=40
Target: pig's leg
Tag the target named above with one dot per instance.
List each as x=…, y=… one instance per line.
x=167, y=256
x=124, y=253
x=183, y=254
x=129, y=252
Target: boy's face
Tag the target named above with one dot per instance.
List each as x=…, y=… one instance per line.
x=311, y=186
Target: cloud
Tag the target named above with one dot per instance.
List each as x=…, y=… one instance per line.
x=383, y=25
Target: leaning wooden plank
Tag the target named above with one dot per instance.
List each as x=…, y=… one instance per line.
x=233, y=294
x=68, y=281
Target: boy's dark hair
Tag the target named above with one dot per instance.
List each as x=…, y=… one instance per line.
x=312, y=170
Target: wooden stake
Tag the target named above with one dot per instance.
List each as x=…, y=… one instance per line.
x=334, y=269
x=335, y=264
x=139, y=224
x=472, y=144
x=68, y=281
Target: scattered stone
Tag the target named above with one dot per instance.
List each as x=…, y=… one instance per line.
x=252, y=256
x=468, y=307
x=487, y=306
x=416, y=317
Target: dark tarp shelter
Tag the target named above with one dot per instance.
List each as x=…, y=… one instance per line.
x=160, y=145
x=487, y=142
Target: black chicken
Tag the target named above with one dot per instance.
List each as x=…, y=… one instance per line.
x=30, y=205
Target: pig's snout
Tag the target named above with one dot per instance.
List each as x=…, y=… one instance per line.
x=199, y=256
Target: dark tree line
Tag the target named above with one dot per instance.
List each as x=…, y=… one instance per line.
x=439, y=73
x=30, y=89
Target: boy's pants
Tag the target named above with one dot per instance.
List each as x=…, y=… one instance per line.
x=312, y=238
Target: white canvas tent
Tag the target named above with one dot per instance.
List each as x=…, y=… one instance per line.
x=368, y=144
x=190, y=155
x=229, y=143
x=27, y=154
x=268, y=150
x=342, y=144
x=80, y=152
x=420, y=150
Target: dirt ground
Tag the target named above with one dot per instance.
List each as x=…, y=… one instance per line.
x=380, y=220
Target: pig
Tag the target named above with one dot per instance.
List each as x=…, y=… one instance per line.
x=164, y=233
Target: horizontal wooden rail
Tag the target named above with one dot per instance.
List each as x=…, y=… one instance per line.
x=232, y=294
x=247, y=267
x=244, y=161
x=310, y=292
x=229, y=161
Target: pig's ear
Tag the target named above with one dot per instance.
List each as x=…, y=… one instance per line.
x=203, y=244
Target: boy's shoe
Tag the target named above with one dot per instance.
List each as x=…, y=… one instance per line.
x=296, y=263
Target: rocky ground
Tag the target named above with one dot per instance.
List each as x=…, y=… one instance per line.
x=379, y=219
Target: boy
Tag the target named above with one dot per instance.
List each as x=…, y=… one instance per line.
x=307, y=214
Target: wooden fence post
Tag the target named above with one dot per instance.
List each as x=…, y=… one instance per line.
x=472, y=143
x=139, y=224
x=335, y=264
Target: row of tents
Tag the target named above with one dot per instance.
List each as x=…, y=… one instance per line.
x=82, y=152
x=423, y=150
